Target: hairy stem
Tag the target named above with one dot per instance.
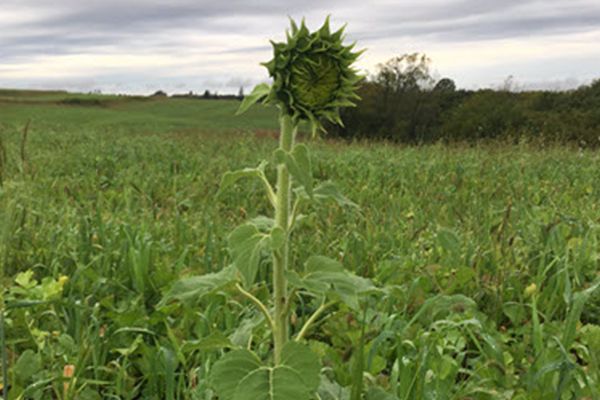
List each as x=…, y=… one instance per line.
x=281, y=256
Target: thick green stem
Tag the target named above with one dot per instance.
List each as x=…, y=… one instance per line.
x=281, y=256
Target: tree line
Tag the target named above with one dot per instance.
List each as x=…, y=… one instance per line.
x=207, y=95
x=402, y=102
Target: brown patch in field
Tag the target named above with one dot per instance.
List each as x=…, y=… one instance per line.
x=266, y=134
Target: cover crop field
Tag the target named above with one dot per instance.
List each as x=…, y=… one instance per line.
x=485, y=257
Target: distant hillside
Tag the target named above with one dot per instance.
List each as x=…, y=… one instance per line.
x=151, y=113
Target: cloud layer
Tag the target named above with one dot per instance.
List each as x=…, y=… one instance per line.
x=143, y=45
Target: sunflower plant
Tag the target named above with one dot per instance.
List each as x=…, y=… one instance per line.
x=312, y=78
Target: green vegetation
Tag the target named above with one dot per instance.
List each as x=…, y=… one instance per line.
x=402, y=102
x=486, y=256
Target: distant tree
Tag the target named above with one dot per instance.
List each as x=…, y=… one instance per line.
x=159, y=93
x=445, y=85
x=409, y=72
x=241, y=93
x=509, y=84
x=405, y=81
x=365, y=120
x=207, y=94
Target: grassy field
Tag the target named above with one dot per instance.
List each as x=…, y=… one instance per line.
x=488, y=256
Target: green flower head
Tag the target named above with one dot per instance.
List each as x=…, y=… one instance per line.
x=312, y=75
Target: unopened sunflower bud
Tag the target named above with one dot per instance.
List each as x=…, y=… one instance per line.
x=313, y=75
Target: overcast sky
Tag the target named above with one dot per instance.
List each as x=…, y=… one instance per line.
x=139, y=46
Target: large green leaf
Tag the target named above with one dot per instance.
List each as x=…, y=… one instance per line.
x=341, y=284
x=195, y=287
x=301, y=156
x=231, y=177
x=263, y=223
x=377, y=393
x=299, y=165
x=240, y=375
x=28, y=364
x=322, y=193
x=330, y=390
x=246, y=243
x=328, y=191
x=327, y=277
x=302, y=359
x=215, y=341
x=272, y=383
x=242, y=334
x=322, y=264
x=230, y=370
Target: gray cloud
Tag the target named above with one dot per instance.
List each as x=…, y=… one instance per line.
x=135, y=16
x=481, y=20
x=199, y=27
x=96, y=23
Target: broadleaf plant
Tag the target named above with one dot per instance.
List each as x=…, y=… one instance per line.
x=312, y=78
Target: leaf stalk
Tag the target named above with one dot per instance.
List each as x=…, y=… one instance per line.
x=258, y=304
x=310, y=321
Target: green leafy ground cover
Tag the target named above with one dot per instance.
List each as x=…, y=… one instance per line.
x=487, y=257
